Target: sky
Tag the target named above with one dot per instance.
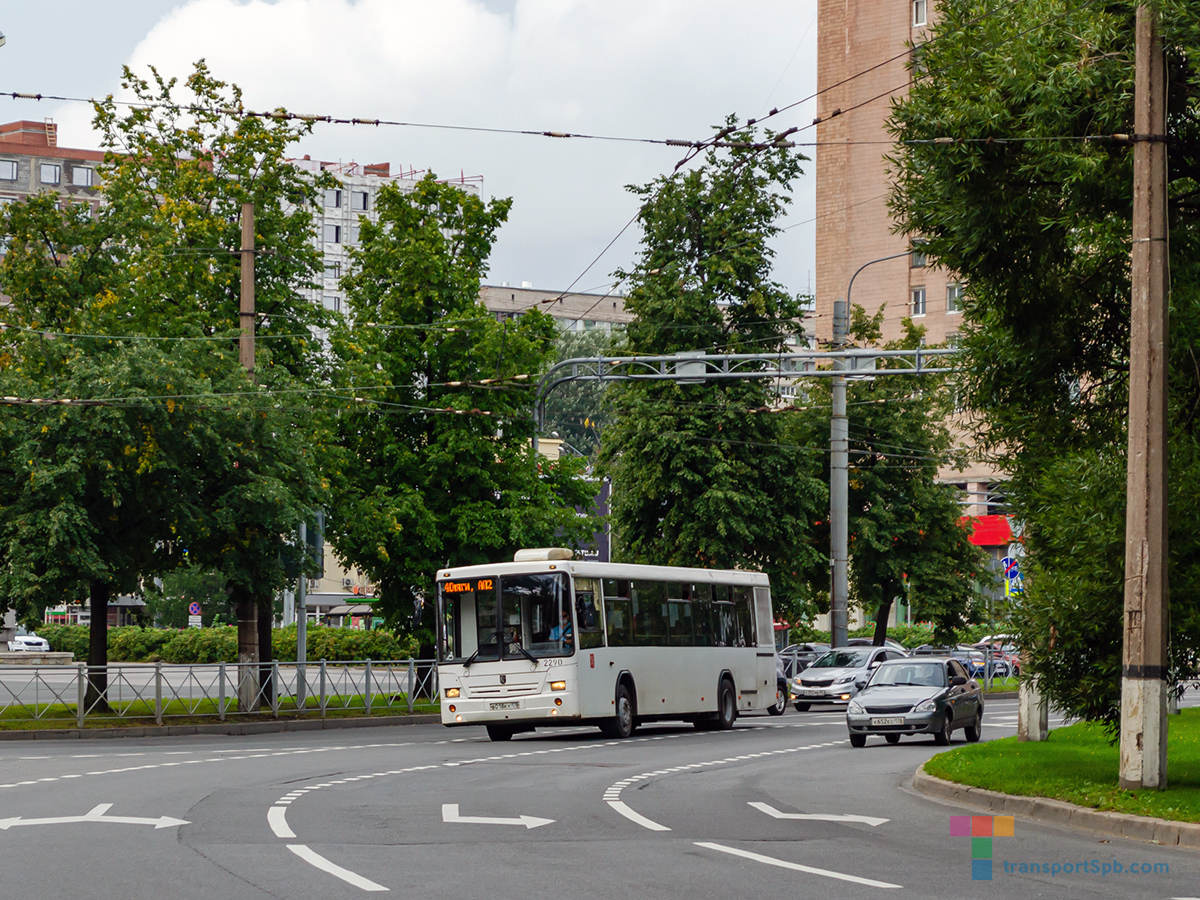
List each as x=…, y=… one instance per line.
x=629, y=68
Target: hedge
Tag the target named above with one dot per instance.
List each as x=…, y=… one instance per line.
x=207, y=645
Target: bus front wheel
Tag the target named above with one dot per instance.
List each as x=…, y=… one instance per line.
x=620, y=725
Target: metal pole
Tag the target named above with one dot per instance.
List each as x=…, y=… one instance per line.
x=221, y=692
x=81, y=703
x=322, y=689
x=411, y=683
x=1144, y=671
x=302, y=625
x=275, y=683
x=839, y=490
x=367, y=691
x=158, y=692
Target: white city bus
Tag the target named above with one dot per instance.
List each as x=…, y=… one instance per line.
x=550, y=640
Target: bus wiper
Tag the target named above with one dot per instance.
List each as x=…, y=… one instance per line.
x=470, y=659
x=529, y=656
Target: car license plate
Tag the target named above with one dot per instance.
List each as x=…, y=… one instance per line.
x=512, y=705
x=814, y=693
x=888, y=720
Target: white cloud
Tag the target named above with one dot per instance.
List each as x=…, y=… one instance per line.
x=653, y=68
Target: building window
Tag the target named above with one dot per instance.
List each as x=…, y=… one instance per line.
x=358, y=200
x=953, y=298
x=953, y=341
x=919, y=260
x=919, y=12
x=335, y=303
x=918, y=301
x=82, y=176
x=8, y=170
x=51, y=174
x=352, y=234
x=333, y=270
x=332, y=234
x=333, y=199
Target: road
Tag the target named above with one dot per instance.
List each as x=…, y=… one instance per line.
x=430, y=812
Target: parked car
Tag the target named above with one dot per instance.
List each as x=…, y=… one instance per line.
x=920, y=695
x=28, y=640
x=979, y=661
x=781, y=689
x=836, y=676
x=867, y=642
x=797, y=657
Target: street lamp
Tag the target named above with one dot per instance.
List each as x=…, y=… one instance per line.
x=839, y=476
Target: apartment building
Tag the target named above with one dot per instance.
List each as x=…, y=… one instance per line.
x=31, y=162
x=863, y=51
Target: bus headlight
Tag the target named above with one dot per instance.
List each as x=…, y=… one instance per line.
x=451, y=692
x=453, y=708
x=558, y=685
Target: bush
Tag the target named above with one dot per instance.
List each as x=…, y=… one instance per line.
x=67, y=639
x=202, y=645
x=341, y=644
x=132, y=643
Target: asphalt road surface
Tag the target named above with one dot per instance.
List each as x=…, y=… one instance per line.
x=777, y=807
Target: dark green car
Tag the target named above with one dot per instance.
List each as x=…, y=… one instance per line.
x=918, y=695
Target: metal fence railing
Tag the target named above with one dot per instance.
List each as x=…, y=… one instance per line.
x=77, y=694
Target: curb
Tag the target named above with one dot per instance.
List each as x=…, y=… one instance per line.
x=1058, y=812
x=229, y=728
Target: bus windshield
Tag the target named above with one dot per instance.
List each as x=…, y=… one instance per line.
x=509, y=617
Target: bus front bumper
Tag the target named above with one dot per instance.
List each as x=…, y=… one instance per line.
x=543, y=709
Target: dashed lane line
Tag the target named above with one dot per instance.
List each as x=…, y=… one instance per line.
x=795, y=867
x=612, y=796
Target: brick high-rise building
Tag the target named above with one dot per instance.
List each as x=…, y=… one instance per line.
x=875, y=38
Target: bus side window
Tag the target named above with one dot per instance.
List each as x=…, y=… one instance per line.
x=680, y=623
x=743, y=603
x=702, y=614
x=650, y=614
x=588, y=618
x=619, y=618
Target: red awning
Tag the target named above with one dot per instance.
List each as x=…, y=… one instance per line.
x=988, y=531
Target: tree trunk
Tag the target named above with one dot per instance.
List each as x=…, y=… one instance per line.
x=881, y=620
x=247, y=676
x=266, y=683
x=96, y=699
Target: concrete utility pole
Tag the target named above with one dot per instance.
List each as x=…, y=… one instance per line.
x=248, y=655
x=1144, y=673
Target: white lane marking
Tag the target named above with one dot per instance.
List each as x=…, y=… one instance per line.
x=612, y=796
x=277, y=819
x=96, y=815
x=316, y=859
x=450, y=814
x=795, y=867
x=636, y=817
x=33, y=757
x=214, y=759
x=819, y=817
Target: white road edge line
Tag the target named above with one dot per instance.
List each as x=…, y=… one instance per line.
x=277, y=819
x=316, y=859
x=636, y=817
x=796, y=867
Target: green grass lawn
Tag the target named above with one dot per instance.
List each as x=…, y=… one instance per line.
x=141, y=713
x=1077, y=764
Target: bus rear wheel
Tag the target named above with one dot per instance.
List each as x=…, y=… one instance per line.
x=500, y=732
x=726, y=706
x=620, y=725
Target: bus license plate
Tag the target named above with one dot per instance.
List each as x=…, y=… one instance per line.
x=512, y=705
x=890, y=720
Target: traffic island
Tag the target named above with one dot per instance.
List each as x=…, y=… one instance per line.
x=1071, y=779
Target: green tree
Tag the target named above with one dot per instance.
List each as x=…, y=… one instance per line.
x=576, y=410
x=702, y=475
x=1037, y=222
x=907, y=539
x=435, y=429
x=134, y=307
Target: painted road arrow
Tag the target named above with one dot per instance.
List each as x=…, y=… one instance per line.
x=819, y=817
x=96, y=815
x=450, y=814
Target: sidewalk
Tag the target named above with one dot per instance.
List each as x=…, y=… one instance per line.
x=1138, y=828
x=232, y=728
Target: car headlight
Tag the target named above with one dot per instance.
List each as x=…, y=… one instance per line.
x=855, y=708
x=926, y=706
x=845, y=679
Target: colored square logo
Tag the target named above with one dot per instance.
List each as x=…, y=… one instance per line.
x=960, y=826
x=982, y=830
x=981, y=870
x=981, y=826
x=981, y=848
x=1002, y=826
